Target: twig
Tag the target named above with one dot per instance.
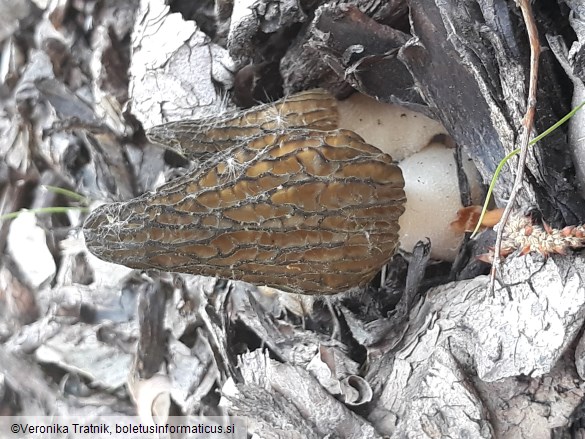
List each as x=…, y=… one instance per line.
x=527, y=124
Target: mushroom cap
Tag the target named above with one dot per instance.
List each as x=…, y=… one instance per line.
x=313, y=212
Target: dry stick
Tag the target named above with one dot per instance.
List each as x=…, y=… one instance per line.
x=527, y=124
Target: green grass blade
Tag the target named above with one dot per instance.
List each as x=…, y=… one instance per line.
x=491, y=189
x=512, y=154
x=66, y=192
x=43, y=210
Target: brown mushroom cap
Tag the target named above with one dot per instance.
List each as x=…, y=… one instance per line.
x=312, y=212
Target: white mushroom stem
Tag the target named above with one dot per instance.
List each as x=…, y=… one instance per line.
x=430, y=172
x=432, y=201
x=394, y=129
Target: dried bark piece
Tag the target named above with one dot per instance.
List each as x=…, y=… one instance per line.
x=507, y=346
x=175, y=71
x=344, y=46
x=470, y=65
x=253, y=21
x=363, y=52
x=274, y=394
x=302, y=211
